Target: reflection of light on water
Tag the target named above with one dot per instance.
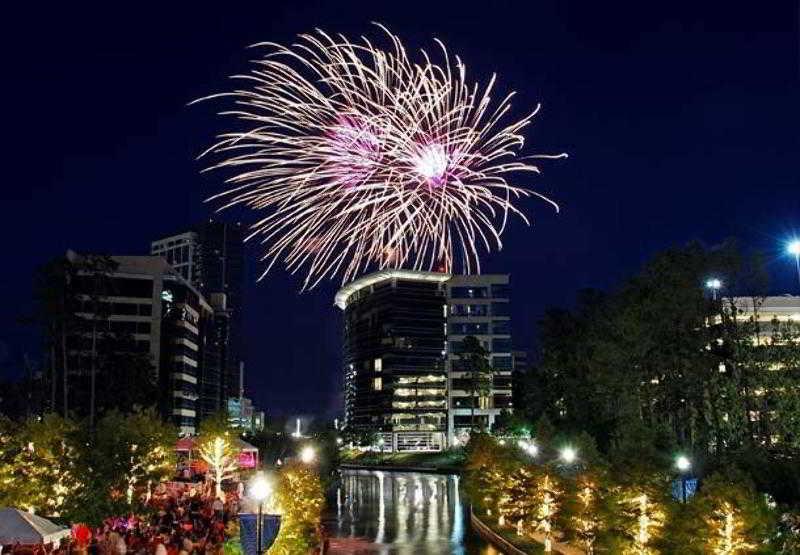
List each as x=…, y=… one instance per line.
x=417, y=527
x=403, y=514
x=381, y=510
x=402, y=510
x=457, y=535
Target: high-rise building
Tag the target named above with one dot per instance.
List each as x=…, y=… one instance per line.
x=478, y=306
x=395, y=377
x=180, y=251
x=404, y=378
x=211, y=257
x=164, y=316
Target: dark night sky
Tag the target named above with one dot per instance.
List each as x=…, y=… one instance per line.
x=681, y=120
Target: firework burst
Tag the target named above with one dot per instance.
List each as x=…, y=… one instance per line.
x=358, y=157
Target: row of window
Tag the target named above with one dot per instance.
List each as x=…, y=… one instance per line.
x=483, y=402
x=479, y=310
x=497, y=345
x=121, y=309
x=130, y=327
x=498, y=327
x=465, y=384
x=496, y=290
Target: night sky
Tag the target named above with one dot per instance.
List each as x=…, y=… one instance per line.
x=681, y=119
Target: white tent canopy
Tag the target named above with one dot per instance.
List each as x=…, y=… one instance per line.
x=28, y=529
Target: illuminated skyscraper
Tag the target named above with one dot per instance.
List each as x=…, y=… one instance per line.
x=403, y=373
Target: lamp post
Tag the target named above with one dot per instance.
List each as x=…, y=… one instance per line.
x=714, y=284
x=260, y=489
x=568, y=455
x=308, y=455
x=683, y=464
x=793, y=248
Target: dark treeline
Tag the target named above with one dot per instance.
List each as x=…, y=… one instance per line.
x=659, y=364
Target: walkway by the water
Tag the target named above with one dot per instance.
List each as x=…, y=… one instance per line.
x=401, y=513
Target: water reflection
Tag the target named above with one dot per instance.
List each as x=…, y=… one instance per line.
x=401, y=513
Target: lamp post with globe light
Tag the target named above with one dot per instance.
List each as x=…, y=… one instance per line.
x=715, y=285
x=568, y=455
x=260, y=489
x=793, y=248
x=308, y=455
x=684, y=465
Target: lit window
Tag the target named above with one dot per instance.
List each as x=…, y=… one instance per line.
x=378, y=365
x=377, y=384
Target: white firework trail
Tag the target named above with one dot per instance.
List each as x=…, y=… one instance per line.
x=359, y=158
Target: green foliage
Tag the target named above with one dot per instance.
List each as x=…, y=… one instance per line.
x=126, y=455
x=59, y=468
x=300, y=497
x=728, y=499
x=478, y=372
x=658, y=353
x=38, y=465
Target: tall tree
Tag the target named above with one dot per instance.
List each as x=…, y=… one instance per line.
x=55, y=308
x=475, y=363
x=95, y=271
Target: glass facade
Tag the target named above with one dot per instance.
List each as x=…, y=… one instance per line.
x=395, y=378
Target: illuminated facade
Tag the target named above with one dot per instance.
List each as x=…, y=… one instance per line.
x=766, y=310
x=394, y=359
x=767, y=318
x=403, y=377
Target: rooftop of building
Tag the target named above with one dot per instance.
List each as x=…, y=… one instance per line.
x=340, y=300
x=147, y=265
x=784, y=302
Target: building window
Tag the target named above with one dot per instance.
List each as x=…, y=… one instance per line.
x=468, y=292
x=501, y=345
x=501, y=309
x=377, y=384
x=502, y=291
x=502, y=363
x=501, y=327
x=378, y=365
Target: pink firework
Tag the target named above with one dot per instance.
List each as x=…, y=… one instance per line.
x=358, y=158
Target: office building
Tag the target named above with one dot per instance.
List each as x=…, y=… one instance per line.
x=766, y=311
x=404, y=374
x=244, y=416
x=145, y=298
x=395, y=377
x=211, y=258
x=181, y=252
x=772, y=321
x=478, y=306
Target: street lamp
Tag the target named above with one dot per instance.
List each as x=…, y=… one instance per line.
x=793, y=248
x=307, y=454
x=714, y=284
x=260, y=489
x=568, y=455
x=684, y=465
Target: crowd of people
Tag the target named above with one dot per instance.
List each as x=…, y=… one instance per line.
x=185, y=519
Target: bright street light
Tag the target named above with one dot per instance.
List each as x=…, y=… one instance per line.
x=260, y=488
x=793, y=248
x=568, y=455
x=715, y=285
x=308, y=455
x=683, y=463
